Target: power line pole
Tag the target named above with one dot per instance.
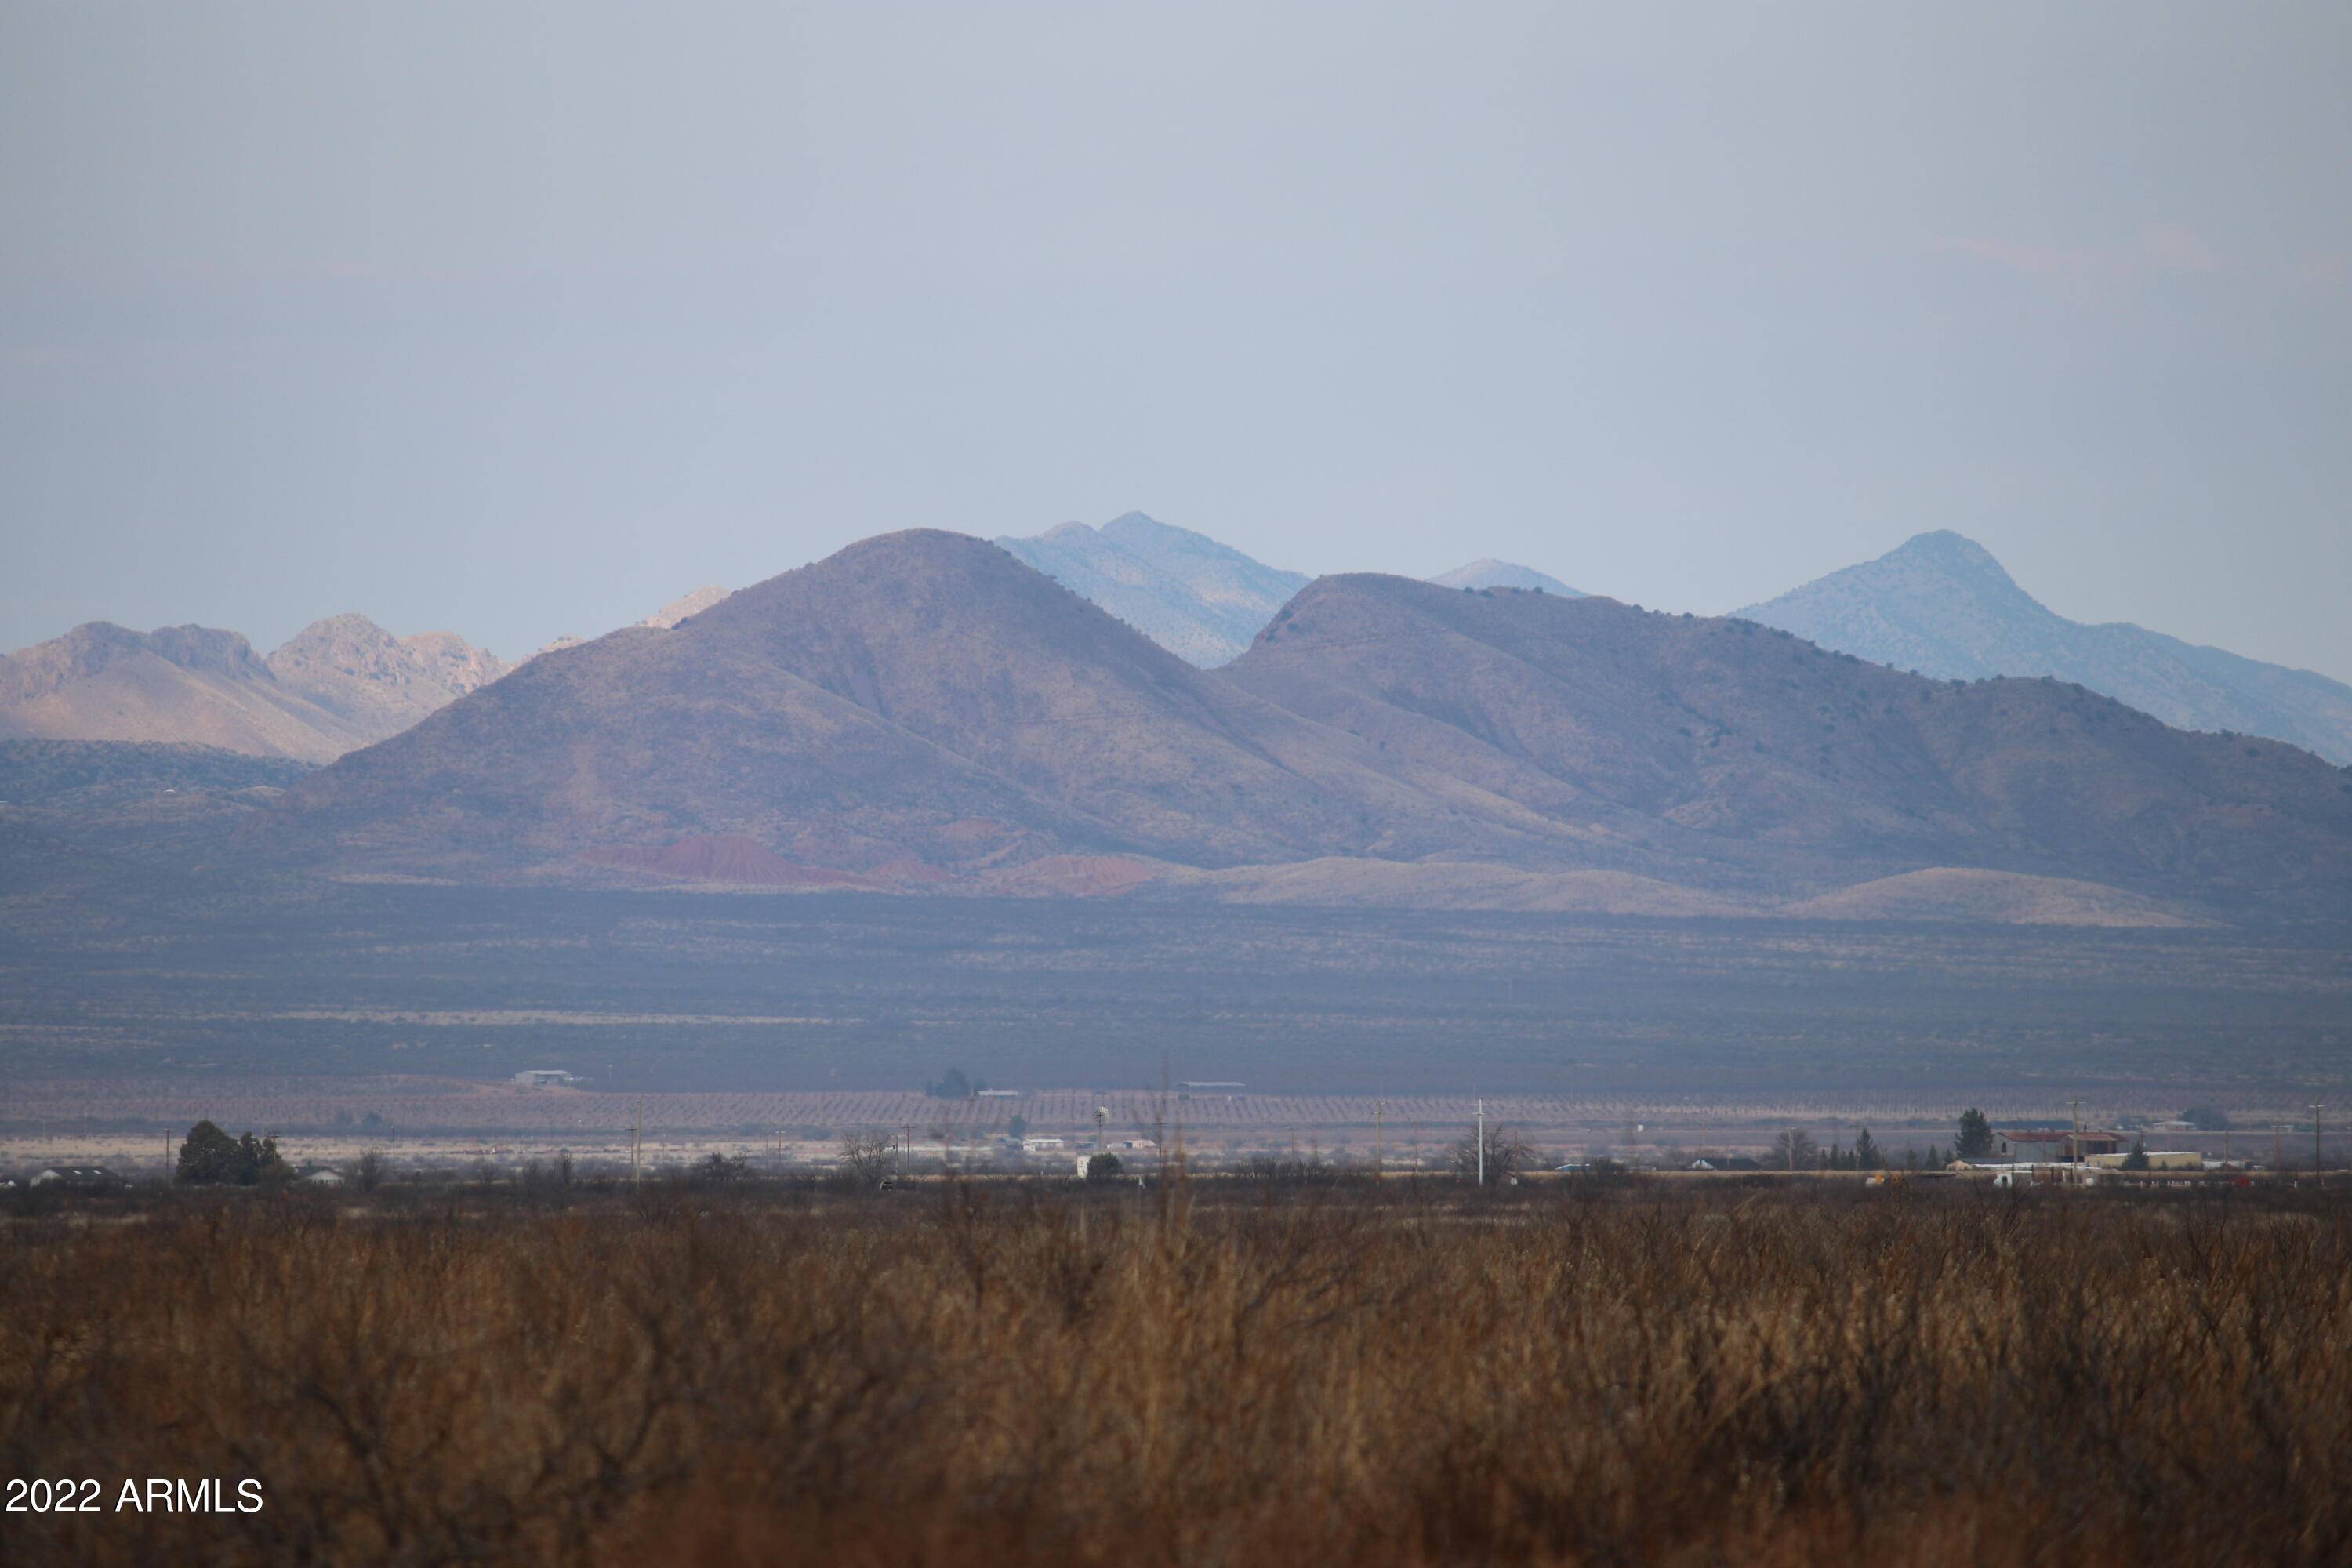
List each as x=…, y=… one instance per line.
x=2316, y=1166
x=1481, y=1143
x=636, y=1140
x=1378, y=1107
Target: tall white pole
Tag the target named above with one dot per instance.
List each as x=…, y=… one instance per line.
x=1481, y=1143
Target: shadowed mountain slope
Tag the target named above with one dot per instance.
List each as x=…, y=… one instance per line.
x=1942, y=605
x=1200, y=599
x=1730, y=752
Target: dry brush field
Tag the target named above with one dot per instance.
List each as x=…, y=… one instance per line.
x=1212, y=1372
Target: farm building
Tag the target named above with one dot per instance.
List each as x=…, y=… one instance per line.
x=79, y=1178
x=544, y=1078
x=2043, y=1144
x=2157, y=1159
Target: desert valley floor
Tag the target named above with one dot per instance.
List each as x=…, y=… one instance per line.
x=336, y=994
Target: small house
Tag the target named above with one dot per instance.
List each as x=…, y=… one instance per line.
x=79, y=1178
x=543, y=1077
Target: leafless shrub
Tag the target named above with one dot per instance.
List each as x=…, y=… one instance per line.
x=1386, y=1374
x=1497, y=1155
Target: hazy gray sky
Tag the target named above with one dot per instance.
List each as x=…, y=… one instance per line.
x=519, y=319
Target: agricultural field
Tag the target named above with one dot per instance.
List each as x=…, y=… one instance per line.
x=1237, y=1371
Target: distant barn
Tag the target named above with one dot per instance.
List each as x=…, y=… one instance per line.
x=80, y=1178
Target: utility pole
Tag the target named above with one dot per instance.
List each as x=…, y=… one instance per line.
x=1378, y=1107
x=2315, y=1145
x=636, y=1140
x=1481, y=1143
x=2277, y=1158
x=2074, y=1143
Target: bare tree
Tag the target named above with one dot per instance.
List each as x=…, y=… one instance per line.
x=871, y=1157
x=1794, y=1151
x=1506, y=1155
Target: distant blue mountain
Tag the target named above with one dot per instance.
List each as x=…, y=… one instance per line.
x=1493, y=573
x=1942, y=605
x=1200, y=599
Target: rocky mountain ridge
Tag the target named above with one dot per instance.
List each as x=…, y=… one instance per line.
x=339, y=683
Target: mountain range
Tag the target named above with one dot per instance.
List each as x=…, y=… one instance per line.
x=338, y=684
x=1942, y=605
x=923, y=707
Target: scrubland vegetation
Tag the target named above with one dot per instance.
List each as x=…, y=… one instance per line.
x=1596, y=1372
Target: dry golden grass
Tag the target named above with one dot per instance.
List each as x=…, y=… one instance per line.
x=976, y=1374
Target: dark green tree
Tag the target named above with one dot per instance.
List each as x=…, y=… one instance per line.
x=1867, y=1155
x=2137, y=1159
x=2206, y=1117
x=209, y=1155
x=258, y=1161
x=1103, y=1168
x=1017, y=1128
x=1975, y=1141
